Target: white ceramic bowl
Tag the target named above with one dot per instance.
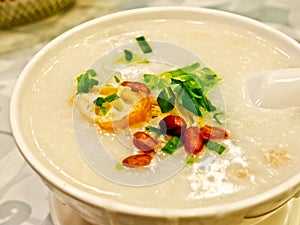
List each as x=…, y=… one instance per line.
x=103, y=211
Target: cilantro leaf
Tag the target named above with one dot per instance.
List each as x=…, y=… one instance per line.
x=208, y=78
x=91, y=73
x=85, y=81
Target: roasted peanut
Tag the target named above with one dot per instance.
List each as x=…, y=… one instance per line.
x=213, y=133
x=136, y=87
x=172, y=125
x=144, y=142
x=193, y=142
x=138, y=160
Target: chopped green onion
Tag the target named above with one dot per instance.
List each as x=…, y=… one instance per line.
x=166, y=100
x=218, y=117
x=111, y=97
x=117, y=79
x=128, y=55
x=191, y=160
x=144, y=44
x=153, y=129
x=103, y=110
x=119, y=166
x=216, y=147
x=171, y=146
x=100, y=101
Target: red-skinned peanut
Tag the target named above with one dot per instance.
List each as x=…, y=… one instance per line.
x=138, y=160
x=173, y=125
x=193, y=142
x=144, y=142
x=213, y=133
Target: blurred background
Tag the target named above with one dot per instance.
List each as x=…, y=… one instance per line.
x=27, y=22
x=27, y=25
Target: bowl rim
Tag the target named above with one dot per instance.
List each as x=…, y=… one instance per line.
x=243, y=205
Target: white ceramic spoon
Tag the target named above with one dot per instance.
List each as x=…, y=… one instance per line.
x=275, y=89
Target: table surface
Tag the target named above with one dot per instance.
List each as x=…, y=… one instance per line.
x=23, y=197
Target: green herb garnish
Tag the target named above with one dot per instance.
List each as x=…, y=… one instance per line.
x=183, y=71
x=184, y=99
x=209, y=78
x=156, y=82
x=117, y=79
x=191, y=160
x=128, y=55
x=144, y=44
x=135, y=58
x=85, y=81
x=218, y=117
x=101, y=100
x=119, y=166
x=153, y=130
x=216, y=147
x=111, y=97
x=172, y=145
x=190, y=83
x=166, y=100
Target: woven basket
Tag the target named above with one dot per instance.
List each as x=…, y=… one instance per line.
x=17, y=12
